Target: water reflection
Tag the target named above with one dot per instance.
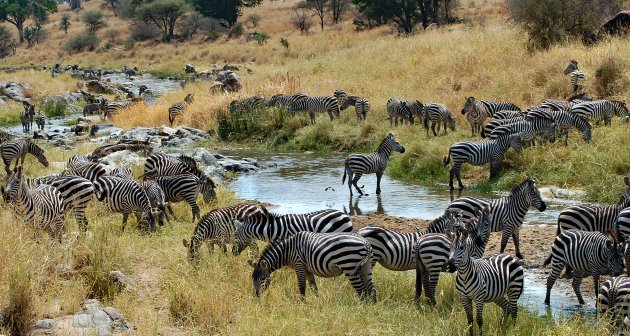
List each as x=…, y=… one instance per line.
x=354, y=209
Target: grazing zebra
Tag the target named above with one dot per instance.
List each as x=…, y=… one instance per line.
x=614, y=300
x=17, y=150
x=398, y=109
x=587, y=253
x=247, y=104
x=556, y=105
x=217, y=226
x=178, y=108
x=505, y=114
x=76, y=193
x=26, y=118
x=495, y=123
x=91, y=171
x=157, y=199
x=124, y=172
x=270, y=227
x=313, y=105
x=507, y=212
x=282, y=100
x=186, y=187
x=437, y=113
x=528, y=128
x=565, y=120
x=415, y=108
x=497, y=279
x=313, y=254
x=477, y=111
x=124, y=196
x=577, y=76
x=40, y=120
x=4, y=137
x=601, y=110
x=357, y=165
x=479, y=153
x=41, y=206
x=91, y=109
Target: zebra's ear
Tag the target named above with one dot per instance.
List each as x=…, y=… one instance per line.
x=185, y=242
x=626, y=180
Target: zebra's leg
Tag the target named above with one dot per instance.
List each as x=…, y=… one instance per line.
x=330, y=114
x=170, y=209
x=124, y=222
x=312, y=116
x=516, y=240
x=494, y=170
x=311, y=281
x=467, y=303
x=445, y=131
x=479, y=305
x=368, y=283
x=503, y=303
x=556, y=269
x=379, y=175
x=505, y=237
x=458, y=171
x=596, y=285
x=356, y=178
x=420, y=275
x=301, y=272
x=433, y=128
x=431, y=282
x=350, y=181
x=450, y=180
x=577, y=281
x=79, y=215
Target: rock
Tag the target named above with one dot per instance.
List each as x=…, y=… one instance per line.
x=251, y=161
x=92, y=304
x=73, y=109
x=45, y=324
x=204, y=157
x=14, y=91
x=99, y=87
x=237, y=166
x=189, y=68
x=121, y=280
x=119, y=324
x=177, y=142
x=167, y=131
x=2, y=102
x=64, y=98
x=123, y=158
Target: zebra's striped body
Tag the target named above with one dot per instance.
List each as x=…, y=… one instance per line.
x=92, y=109
x=122, y=172
x=477, y=111
x=587, y=253
x=4, y=137
x=506, y=114
x=124, y=196
x=247, y=104
x=565, y=120
x=90, y=171
x=600, y=110
x=217, y=226
x=156, y=199
x=528, y=128
x=184, y=187
x=314, y=105
x=556, y=105
x=576, y=76
x=269, y=227
x=398, y=109
x=436, y=114
x=178, y=109
x=496, y=123
x=40, y=120
x=26, y=118
x=623, y=225
x=614, y=301
x=282, y=100
x=507, y=212
x=17, y=150
x=361, y=106
x=357, y=165
x=313, y=254
x=76, y=193
x=479, y=153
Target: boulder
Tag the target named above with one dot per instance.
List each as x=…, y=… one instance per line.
x=204, y=157
x=14, y=91
x=122, y=281
x=99, y=87
x=64, y=98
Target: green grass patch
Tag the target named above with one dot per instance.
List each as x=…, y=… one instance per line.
x=55, y=110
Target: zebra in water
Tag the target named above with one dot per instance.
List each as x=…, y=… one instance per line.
x=601, y=110
x=357, y=165
x=17, y=150
x=528, y=128
x=613, y=301
x=124, y=196
x=577, y=76
x=477, y=111
x=185, y=187
x=40, y=120
x=76, y=193
x=565, y=120
x=270, y=227
x=157, y=199
x=217, y=226
x=436, y=114
x=398, y=109
x=124, y=172
x=41, y=206
x=587, y=253
x=247, y=104
x=313, y=105
x=282, y=100
x=177, y=109
x=479, y=153
x=497, y=279
x=313, y=254
x=507, y=212
x=26, y=118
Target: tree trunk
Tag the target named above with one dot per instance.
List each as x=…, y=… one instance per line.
x=20, y=27
x=321, y=21
x=75, y=4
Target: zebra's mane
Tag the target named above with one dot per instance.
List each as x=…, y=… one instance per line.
x=34, y=148
x=522, y=185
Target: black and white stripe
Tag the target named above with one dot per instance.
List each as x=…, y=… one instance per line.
x=313, y=254
x=623, y=225
x=184, y=187
x=479, y=153
x=17, y=150
x=124, y=196
x=588, y=254
x=178, y=109
x=76, y=193
x=599, y=110
x=4, y=137
x=314, y=105
x=556, y=105
x=282, y=100
x=90, y=171
x=507, y=212
x=361, y=106
x=40, y=120
x=26, y=118
x=528, y=128
x=576, y=76
x=613, y=301
x=436, y=114
x=357, y=165
x=247, y=104
x=122, y=172
x=477, y=111
x=269, y=227
x=157, y=200
x=506, y=114
x=495, y=123
x=396, y=109
x=565, y=120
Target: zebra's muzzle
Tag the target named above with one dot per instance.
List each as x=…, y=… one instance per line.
x=543, y=207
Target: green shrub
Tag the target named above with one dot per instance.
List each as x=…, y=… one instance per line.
x=144, y=32
x=7, y=42
x=55, y=110
x=609, y=78
x=93, y=20
x=256, y=123
x=82, y=42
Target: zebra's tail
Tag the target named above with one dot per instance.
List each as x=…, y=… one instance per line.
x=366, y=261
x=425, y=121
x=447, y=159
x=345, y=170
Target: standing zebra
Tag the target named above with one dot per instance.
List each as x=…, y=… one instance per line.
x=178, y=108
x=41, y=206
x=506, y=114
x=614, y=300
x=601, y=110
x=124, y=196
x=112, y=108
x=477, y=111
x=507, y=212
x=361, y=105
x=398, y=109
x=217, y=226
x=270, y=227
x=496, y=123
x=313, y=254
x=565, y=120
x=157, y=201
x=528, y=128
x=313, y=105
x=186, y=187
x=623, y=225
x=357, y=165
x=555, y=105
x=26, y=118
x=587, y=253
x=17, y=150
x=247, y=104
x=436, y=114
x=90, y=171
x=497, y=279
x=76, y=193
x=282, y=100
x=577, y=76
x=40, y=120
x=479, y=153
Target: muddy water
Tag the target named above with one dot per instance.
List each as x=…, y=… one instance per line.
x=303, y=182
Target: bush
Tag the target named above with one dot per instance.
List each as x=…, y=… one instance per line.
x=83, y=42
x=65, y=24
x=189, y=25
x=7, y=42
x=242, y=124
x=111, y=34
x=261, y=38
x=55, y=110
x=236, y=31
x=211, y=28
x=144, y=32
x=93, y=20
x=609, y=79
x=302, y=20
x=253, y=20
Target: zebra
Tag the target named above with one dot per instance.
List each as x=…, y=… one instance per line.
x=479, y=153
x=40, y=120
x=76, y=193
x=508, y=212
x=124, y=172
x=313, y=254
x=623, y=226
x=247, y=104
x=528, y=128
x=506, y=114
x=112, y=108
x=4, y=137
x=186, y=187
x=26, y=118
x=157, y=199
x=587, y=253
x=17, y=150
x=415, y=108
x=398, y=109
x=281, y=100
x=124, y=196
x=313, y=105
x=613, y=300
x=178, y=108
x=565, y=120
x=357, y=165
x=556, y=105
x=91, y=171
x=269, y=227
x=577, y=76
x=601, y=110
x=77, y=161
x=477, y=111
x=495, y=123
x=497, y=279
x=92, y=109
x=41, y=206
x=217, y=226
x=361, y=106
x=437, y=113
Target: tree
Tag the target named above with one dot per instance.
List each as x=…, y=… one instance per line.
x=64, y=24
x=7, y=42
x=338, y=8
x=301, y=20
x=75, y=4
x=17, y=12
x=406, y=14
x=163, y=14
x=226, y=10
x=93, y=20
x=318, y=7
x=113, y=4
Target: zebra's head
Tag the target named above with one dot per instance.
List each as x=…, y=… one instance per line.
x=572, y=66
x=516, y=142
x=274, y=99
x=550, y=132
x=620, y=108
x=261, y=276
x=241, y=241
x=615, y=251
x=193, y=249
x=451, y=122
x=482, y=226
x=14, y=185
x=38, y=152
x=460, y=247
x=469, y=105
x=208, y=190
x=534, y=195
x=392, y=144
x=587, y=130
x=190, y=98
x=345, y=104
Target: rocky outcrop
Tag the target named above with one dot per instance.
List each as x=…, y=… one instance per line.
x=93, y=319
x=15, y=91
